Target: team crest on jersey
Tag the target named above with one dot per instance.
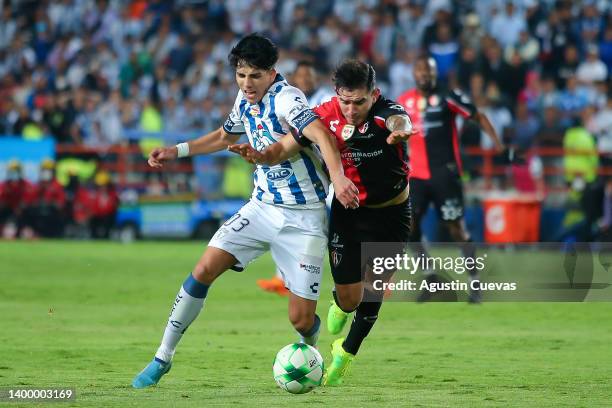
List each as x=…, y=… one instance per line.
x=347, y=132
x=261, y=138
x=363, y=128
x=434, y=100
x=254, y=111
x=336, y=257
x=421, y=104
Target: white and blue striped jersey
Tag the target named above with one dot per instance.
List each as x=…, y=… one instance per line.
x=299, y=180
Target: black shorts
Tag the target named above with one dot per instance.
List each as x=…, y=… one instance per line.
x=349, y=228
x=444, y=189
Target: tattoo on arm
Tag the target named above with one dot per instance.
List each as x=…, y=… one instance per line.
x=398, y=122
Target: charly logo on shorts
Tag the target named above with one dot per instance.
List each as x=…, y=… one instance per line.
x=276, y=175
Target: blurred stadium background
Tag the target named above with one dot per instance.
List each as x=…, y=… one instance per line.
x=94, y=85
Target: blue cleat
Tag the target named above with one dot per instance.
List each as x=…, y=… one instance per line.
x=151, y=374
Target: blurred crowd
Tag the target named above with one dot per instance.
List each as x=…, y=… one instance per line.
x=96, y=72
x=105, y=72
x=51, y=210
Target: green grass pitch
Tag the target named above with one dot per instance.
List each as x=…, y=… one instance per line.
x=90, y=316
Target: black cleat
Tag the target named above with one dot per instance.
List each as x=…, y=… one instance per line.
x=475, y=296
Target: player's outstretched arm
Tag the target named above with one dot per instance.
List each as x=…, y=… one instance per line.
x=274, y=154
x=400, y=127
x=212, y=142
x=346, y=192
x=484, y=122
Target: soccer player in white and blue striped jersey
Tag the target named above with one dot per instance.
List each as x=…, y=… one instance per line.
x=286, y=214
x=304, y=77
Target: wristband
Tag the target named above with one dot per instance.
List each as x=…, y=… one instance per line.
x=182, y=149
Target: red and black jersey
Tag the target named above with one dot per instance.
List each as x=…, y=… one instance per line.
x=378, y=169
x=436, y=142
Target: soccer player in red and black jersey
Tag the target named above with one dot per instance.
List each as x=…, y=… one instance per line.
x=371, y=133
x=435, y=163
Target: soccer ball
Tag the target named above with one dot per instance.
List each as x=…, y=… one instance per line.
x=298, y=368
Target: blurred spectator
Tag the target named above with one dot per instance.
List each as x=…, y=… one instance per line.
x=550, y=133
x=493, y=62
x=412, y=23
x=605, y=47
x=568, y=66
x=592, y=69
x=513, y=77
x=98, y=73
x=8, y=27
x=477, y=85
x=180, y=56
x=150, y=119
x=45, y=210
x=507, y=25
x=581, y=159
x=600, y=126
x=15, y=196
x=105, y=203
x=444, y=49
x=572, y=100
x=528, y=173
x=531, y=94
x=337, y=41
x=555, y=34
x=590, y=22
x=400, y=73
x=442, y=15
x=524, y=128
x=305, y=78
x=472, y=33
x=581, y=163
x=385, y=41
x=78, y=208
x=527, y=48
x=34, y=128
x=498, y=114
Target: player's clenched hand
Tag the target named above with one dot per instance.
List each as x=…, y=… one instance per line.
x=247, y=152
x=162, y=154
x=346, y=192
x=399, y=136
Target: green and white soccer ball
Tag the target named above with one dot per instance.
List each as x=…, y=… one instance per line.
x=298, y=368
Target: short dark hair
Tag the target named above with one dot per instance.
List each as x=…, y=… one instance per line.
x=304, y=63
x=254, y=50
x=354, y=74
x=423, y=57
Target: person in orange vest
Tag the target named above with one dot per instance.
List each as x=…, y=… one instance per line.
x=46, y=208
x=105, y=203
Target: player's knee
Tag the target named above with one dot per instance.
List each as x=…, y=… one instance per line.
x=456, y=232
x=203, y=272
x=349, y=302
x=301, y=320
